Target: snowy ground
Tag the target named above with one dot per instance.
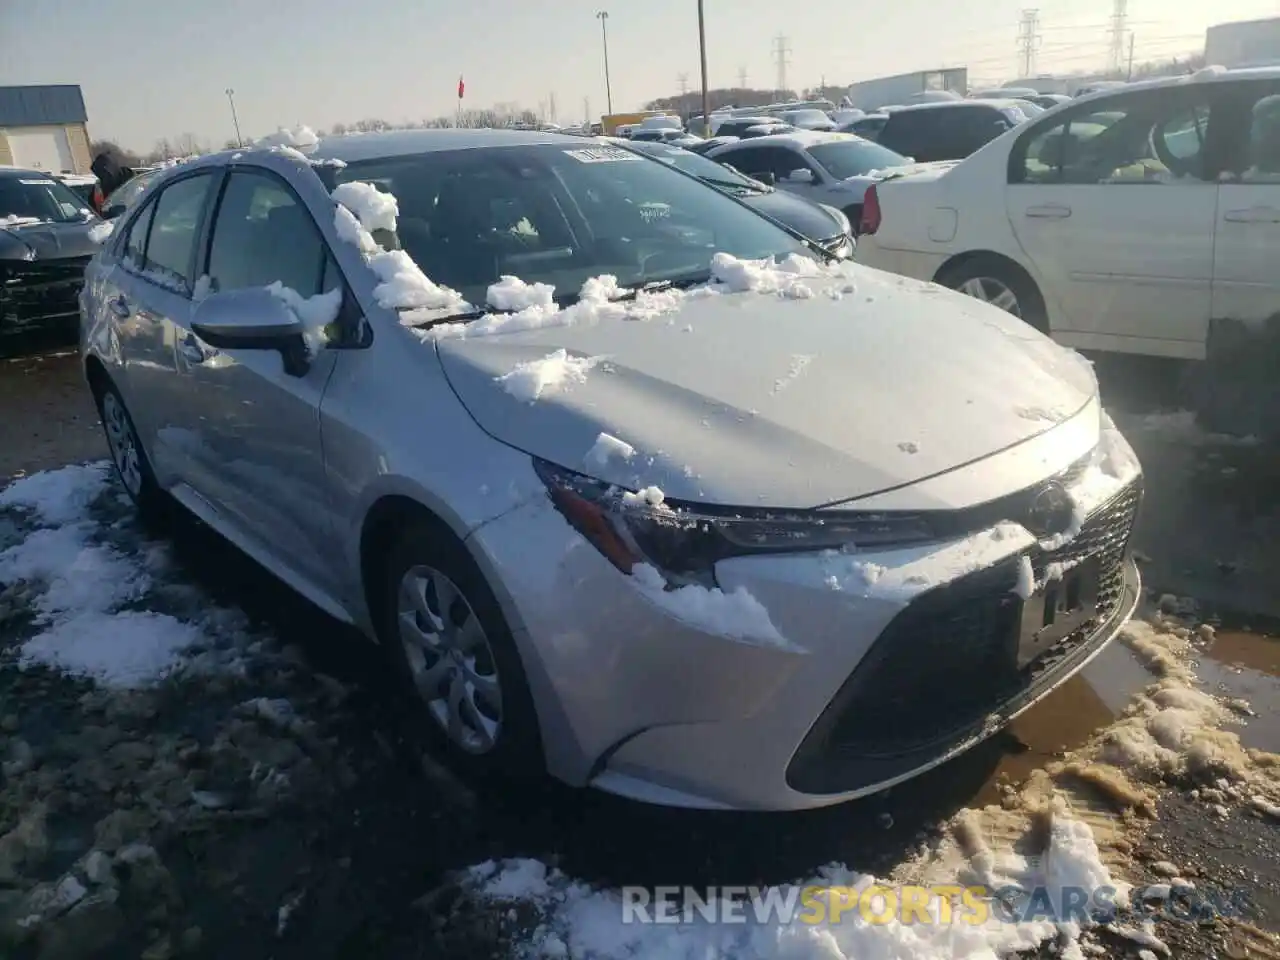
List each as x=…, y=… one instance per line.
x=224, y=778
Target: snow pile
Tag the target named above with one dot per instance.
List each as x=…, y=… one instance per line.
x=769, y=924
x=301, y=138
x=374, y=209
x=80, y=589
x=100, y=232
x=606, y=448
x=797, y=366
x=512, y=294
x=402, y=285
x=554, y=372
x=786, y=277
x=315, y=312
x=736, y=614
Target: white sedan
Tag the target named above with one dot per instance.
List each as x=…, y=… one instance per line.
x=1124, y=221
x=829, y=168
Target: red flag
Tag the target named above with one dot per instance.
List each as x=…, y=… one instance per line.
x=461, y=88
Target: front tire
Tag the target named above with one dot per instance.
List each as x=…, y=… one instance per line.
x=454, y=653
x=1000, y=283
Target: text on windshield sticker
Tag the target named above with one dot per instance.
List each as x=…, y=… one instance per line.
x=602, y=155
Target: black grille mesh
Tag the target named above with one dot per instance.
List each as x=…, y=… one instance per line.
x=946, y=661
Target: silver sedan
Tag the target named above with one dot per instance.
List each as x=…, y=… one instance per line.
x=631, y=484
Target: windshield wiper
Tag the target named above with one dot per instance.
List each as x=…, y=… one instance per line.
x=628, y=292
x=736, y=185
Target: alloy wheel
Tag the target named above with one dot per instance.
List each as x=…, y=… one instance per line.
x=123, y=443
x=450, y=659
x=992, y=291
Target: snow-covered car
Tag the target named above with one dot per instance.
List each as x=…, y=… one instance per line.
x=807, y=119
x=867, y=126
x=1131, y=220
x=46, y=238
x=82, y=185
x=666, y=506
x=829, y=168
x=826, y=226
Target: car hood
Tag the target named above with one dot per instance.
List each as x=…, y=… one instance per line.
x=48, y=241
x=800, y=215
x=751, y=400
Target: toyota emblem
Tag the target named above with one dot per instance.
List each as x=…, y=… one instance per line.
x=1051, y=511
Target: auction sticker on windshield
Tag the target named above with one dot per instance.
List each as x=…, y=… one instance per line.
x=601, y=155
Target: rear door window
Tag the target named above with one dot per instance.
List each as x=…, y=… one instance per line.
x=171, y=241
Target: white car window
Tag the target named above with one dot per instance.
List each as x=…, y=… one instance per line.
x=1133, y=139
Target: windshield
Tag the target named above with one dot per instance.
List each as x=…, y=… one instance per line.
x=125, y=195
x=696, y=166
x=560, y=214
x=854, y=158
x=40, y=198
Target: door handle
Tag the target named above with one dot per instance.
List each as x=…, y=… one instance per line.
x=191, y=349
x=1253, y=215
x=119, y=306
x=1049, y=211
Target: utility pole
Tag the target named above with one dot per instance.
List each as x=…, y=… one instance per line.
x=1130, y=70
x=603, y=17
x=231, y=99
x=782, y=56
x=742, y=78
x=586, y=110
x=702, y=51
x=1119, y=28
x=1028, y=40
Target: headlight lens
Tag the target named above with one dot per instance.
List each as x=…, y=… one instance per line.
x=684, y=541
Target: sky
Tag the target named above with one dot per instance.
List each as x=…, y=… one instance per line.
x=161, y=68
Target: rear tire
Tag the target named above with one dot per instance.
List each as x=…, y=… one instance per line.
x=455, y=657
x=1000, y=283
x=128, y=458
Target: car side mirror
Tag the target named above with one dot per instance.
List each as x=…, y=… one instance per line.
x=253, y=319
x=766, y=177
x=800, y=176
x=113, y=211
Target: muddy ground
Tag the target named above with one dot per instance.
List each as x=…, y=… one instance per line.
x=279, y=804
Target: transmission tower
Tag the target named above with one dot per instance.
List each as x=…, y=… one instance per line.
x=551, y=107
x=782, y=56
x=1119, y=34
x=683, y=80
x=1029, y=40
x=742, y=78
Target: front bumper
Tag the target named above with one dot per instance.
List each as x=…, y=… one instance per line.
x=879, y=683
x=40, y=294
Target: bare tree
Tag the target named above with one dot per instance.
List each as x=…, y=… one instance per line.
x=126, y=157
x=189, y=145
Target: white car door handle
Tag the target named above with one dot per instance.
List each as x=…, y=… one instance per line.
x=1253, y=215
x=1049, y=211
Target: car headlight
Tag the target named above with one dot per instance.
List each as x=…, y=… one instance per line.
x=840, y=218
x=684, y=541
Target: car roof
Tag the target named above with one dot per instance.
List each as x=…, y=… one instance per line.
x=800, y=138
x=984, y=104
x=352, y=148
x=1209, y=74
x=20, y=172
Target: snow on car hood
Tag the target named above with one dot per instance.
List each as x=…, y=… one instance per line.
x=750, y=399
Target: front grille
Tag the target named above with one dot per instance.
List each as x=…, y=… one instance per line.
x=39, y=291
x=947, y=662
